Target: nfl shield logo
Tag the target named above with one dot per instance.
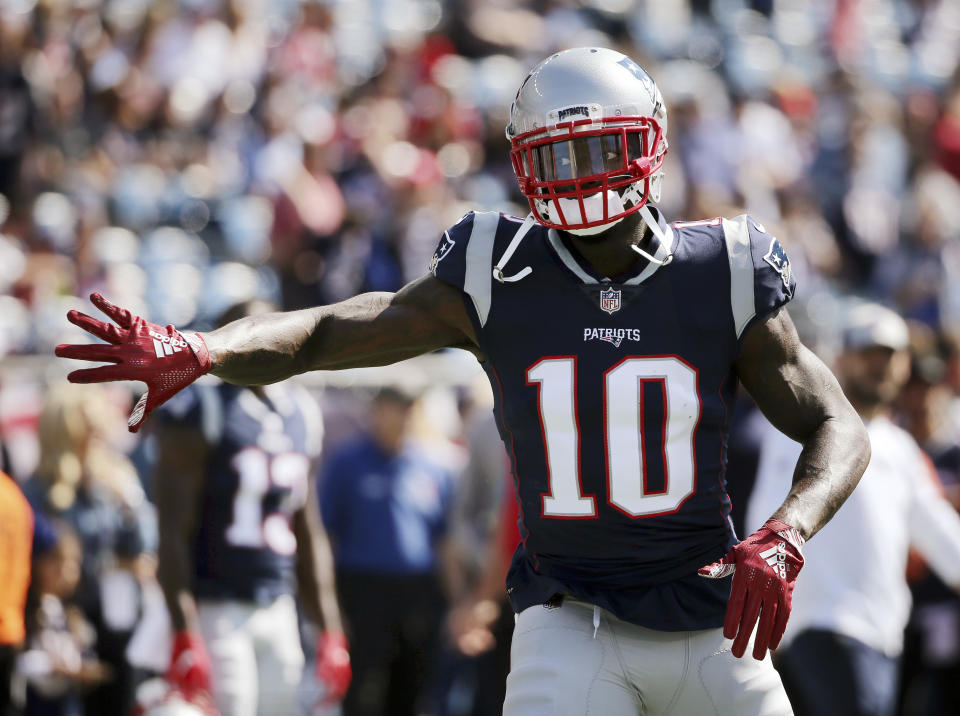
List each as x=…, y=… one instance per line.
x=610, y=300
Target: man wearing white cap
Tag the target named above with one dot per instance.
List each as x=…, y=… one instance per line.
x=841, y=649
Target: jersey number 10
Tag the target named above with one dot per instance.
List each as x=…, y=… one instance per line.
x=627, y=490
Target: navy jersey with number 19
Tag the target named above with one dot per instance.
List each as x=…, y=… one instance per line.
x=613, y=398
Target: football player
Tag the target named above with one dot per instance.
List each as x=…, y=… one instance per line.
x=239, y=537
x=614, y=342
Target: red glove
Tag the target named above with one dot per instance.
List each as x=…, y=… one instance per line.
x=160, y=356
x=189, y=671
x=333, y=664
x=764, y=566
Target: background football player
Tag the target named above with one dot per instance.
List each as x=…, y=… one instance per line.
x=240, y=539
x=614, y=344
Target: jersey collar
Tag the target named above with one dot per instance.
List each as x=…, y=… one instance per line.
x=584, y=274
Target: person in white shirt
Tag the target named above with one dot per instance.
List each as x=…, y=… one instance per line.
x=841, y=649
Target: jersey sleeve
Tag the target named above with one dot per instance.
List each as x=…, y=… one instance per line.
x=449, y=261
x=464, y=259
x=761, y=280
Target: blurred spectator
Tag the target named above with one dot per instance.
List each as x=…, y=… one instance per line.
x=385, y=506
x=241, y=544
x=58, y=662
x=842, y=647
x=86, y=482
x=116, y=615
x=15, y=545
x=475, y=512
x=15, y=106
x=485, y=535
x=930, y=672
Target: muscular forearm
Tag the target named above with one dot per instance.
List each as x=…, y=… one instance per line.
x=265, y=348
x=367, y=330
x=833, y=459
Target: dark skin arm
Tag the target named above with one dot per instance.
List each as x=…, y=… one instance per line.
x=371, y=329
x=801, y=397
x=315, y=581
x=179, y=481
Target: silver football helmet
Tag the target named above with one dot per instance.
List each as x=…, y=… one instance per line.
x=588, y=137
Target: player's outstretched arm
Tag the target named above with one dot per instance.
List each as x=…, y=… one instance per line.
x=367, y=330
x=801, y=397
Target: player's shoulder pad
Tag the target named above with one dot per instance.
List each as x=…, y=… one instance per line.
x=761, y=279
x=464, y=257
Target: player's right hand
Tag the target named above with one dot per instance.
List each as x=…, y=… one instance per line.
x=160, y=356
x=189, y=671
x=764, y=568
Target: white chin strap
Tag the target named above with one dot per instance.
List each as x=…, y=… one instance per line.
x=592, y=207
x=665, y=241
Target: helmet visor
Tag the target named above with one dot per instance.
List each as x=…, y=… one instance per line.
x=582, y=157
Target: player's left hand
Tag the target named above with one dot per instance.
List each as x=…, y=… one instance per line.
x=764, y=567
x=333, y=664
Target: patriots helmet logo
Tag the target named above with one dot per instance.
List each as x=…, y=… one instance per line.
x=778, y=260
x=641, y=74
x=610, y=300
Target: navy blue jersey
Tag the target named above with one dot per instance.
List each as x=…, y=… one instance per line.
x=613, y=399
x=256, y=476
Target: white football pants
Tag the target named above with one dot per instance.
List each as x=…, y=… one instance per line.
x=576, y=659
x=256, y=656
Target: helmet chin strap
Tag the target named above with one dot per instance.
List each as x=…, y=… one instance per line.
x=651, y=222
x=593, y=208
x=630, y=195
x=498, y=274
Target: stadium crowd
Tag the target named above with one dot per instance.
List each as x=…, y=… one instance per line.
x=181, y=157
